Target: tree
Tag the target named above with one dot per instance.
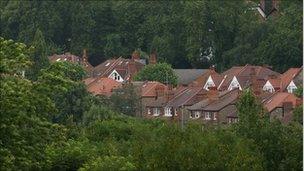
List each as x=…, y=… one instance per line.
x=15, y=57
x=249, y=112
x=24, y=114
x=40, y=57
x=126, y=100
x=161, y=72
x=113, y=46
x=109, y=163
x=61, y=81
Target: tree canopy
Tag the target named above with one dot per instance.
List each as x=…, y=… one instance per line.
x=192, y=34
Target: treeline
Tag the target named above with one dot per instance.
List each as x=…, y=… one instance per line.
x=186, y=34
x=53, y=123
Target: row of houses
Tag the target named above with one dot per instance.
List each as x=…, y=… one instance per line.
x=202, y=95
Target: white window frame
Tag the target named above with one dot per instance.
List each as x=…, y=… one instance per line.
x=115, y=76
x=156, y=111
x=268, y=87
x=149, y=111
x=234, y=84
x=215, y=116
x=209, y=116
x=168, y=111
x=209, y=83
x=291, y=87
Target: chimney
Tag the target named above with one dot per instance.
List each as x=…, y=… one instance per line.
x=153, y=58
x=287, y=107
x=169, y=93
x=213, y=93
x=131, y=69
x=136, y=55
x=212, y=67
x=159, y=91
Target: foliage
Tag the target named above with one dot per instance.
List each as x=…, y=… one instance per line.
x=61, y=82
x=298, y=114
x=161, y=72
x=14, y=57
x=299, y=92
x=126, y=100
x=24, y=114
x=109, y=163
x=185, y=34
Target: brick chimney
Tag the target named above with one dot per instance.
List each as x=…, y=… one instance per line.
x=153, y=58
x=159, y=91
x=212, y=68
x=287, y=107
x=169, y=93
x=131, y=69
x=213, y=93
x=254, y=82
x=135, y=55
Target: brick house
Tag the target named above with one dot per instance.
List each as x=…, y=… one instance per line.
x=289, y=81
x=101, y=85
x=218, y=107
x=242, y=77
x=280, y=105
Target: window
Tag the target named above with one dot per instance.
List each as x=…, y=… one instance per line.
x=156, y=111
x=149, y=111
x=207, y=116
x=291, y=89
x=175, y=112
x=168, y=111
x=214, y=116
x=197, y=114
x=233, y=120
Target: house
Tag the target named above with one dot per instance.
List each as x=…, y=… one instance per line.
x=119, y=69
x=187, y=76
x=65, y=57
x=268, y=8
x=218, y=107
x=287, y=82
x=241, y=77
x=174, y=102
x=101, y=85
x=149, y=91
x=208, y=79
x=280, y=105
x=73, y=59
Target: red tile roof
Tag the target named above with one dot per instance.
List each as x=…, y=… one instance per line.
x=282, y=81
x=125, y=67
x=102, y=86
x=149, y=88
x=183, y=96
x=288, y=76
x=243, y=75
x=65, y=57
x=277, y=100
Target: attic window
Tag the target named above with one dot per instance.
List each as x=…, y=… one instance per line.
x=108, y=64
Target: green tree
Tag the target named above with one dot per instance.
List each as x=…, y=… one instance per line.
x=113, y=46
x=61, y=81
x=24, y=114
x=109, y=163
x=161, y=72
x=40, y=57
x=249, y=112
x=126, y=100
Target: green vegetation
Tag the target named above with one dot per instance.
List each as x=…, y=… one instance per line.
x=54, y=124
x=185, y=34
x=161, y=72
